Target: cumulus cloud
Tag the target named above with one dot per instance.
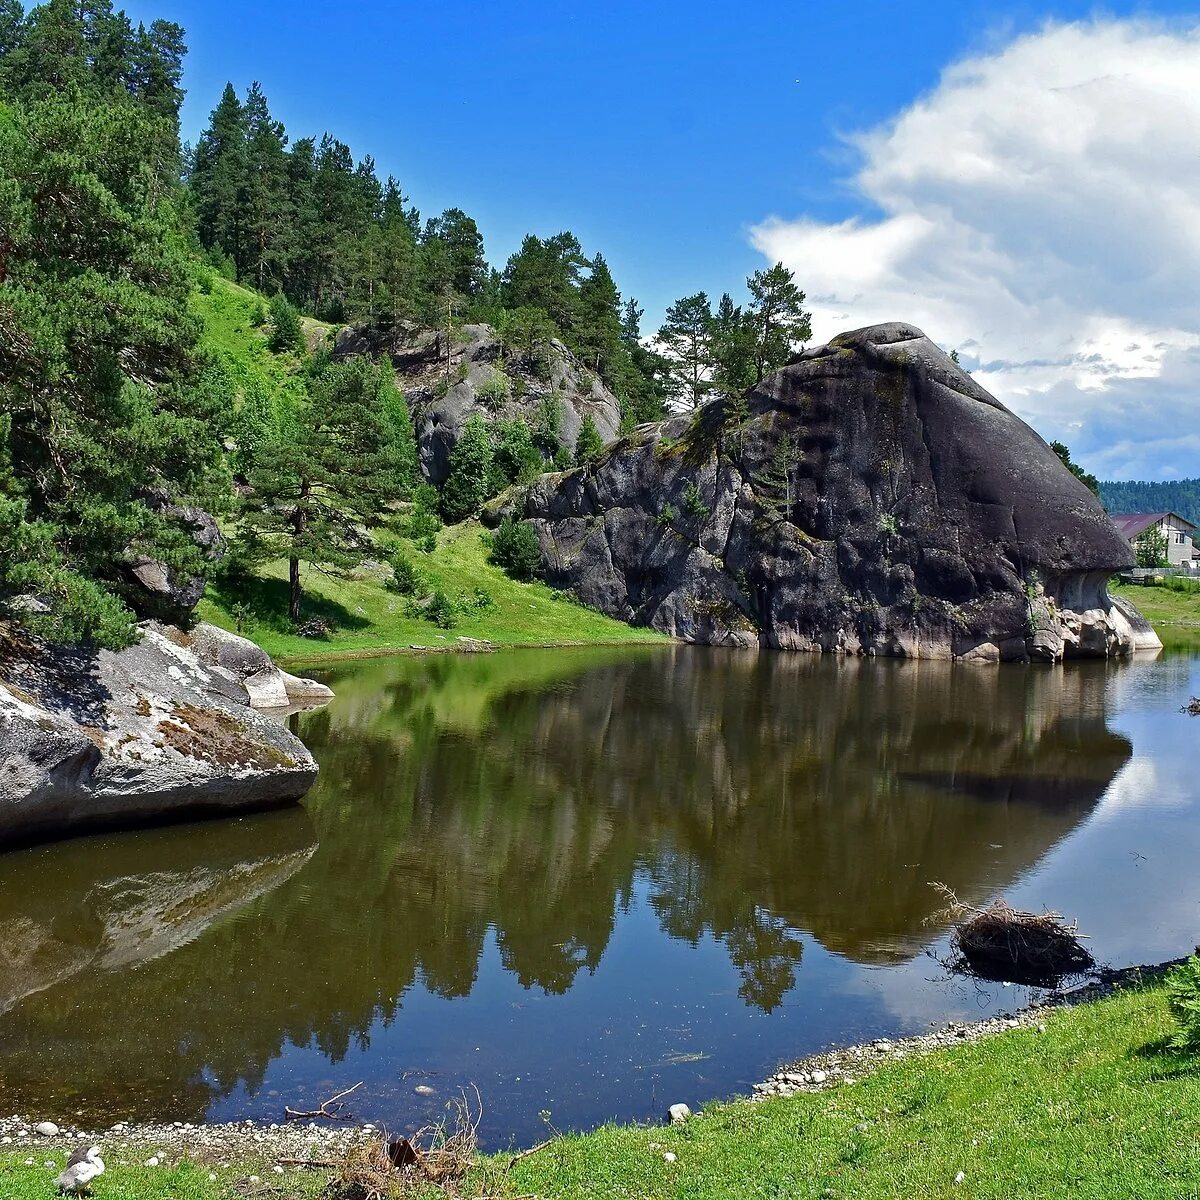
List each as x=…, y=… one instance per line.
x=1039, y=211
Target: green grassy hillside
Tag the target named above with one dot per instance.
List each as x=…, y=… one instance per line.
x=368, y=618
x=233, y=332
x=365, y=617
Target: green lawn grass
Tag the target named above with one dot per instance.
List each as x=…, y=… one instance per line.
x=1175, y=615
x=1093, y=1108
x=370, y=619
x=1161, y=605
x=228, y=314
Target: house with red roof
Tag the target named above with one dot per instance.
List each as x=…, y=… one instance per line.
x=1175, y=529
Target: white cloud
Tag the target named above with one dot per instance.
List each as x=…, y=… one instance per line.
x=1040, y=212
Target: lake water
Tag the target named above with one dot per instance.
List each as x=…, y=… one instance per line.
x=594, y=883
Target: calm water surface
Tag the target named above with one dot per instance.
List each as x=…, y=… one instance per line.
x=595, y=883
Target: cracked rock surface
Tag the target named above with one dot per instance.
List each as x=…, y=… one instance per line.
x=169, y=726
x=874, y=499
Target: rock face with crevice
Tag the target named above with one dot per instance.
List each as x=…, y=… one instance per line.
x=168, y=727
x=874, y=500
x=477, y=376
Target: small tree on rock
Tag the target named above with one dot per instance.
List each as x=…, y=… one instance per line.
x=589, y=444
x=466, y=486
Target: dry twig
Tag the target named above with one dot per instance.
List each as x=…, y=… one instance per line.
x=326, y=1110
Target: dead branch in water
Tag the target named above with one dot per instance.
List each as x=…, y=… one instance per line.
x=1006, y=944
x=326, y=1110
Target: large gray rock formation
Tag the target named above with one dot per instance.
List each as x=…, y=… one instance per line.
x=163, y=728
x=875, y=500
x=443, y=394
x=157, y=591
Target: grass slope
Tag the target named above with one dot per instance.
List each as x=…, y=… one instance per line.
x=368, y=618
x=1173, y=611
x=1092, y=1108
x=230, y=330
x=1095, y=1107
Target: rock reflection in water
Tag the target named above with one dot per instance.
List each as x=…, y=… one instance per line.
x=758, y=800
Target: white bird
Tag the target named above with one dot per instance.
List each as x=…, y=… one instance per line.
x=82, y=1167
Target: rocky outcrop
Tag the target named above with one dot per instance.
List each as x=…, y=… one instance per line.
x=874, y=499
x=169, y=726
x=478, y=377
x=267, y=686
x=157, y=591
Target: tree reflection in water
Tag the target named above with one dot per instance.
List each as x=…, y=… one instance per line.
x=761, y=800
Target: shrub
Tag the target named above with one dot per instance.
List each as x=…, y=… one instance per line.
x=477, y=600
x=589, y=444
x=667, y=515
x=693, y=502
x=423, y=523
x=407, y=578
x=286, y=332
x=1183, y=996
x=441, y=610
x=494, y=392
x=515, y=549
x=466, y=486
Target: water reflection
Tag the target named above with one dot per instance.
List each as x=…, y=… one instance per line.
x=526, y=801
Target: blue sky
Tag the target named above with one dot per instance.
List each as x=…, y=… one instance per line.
x=691, y=142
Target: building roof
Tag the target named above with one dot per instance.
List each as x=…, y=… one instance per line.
x=1131, y=525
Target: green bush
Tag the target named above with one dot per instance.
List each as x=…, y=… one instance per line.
x=441, y=611
x=1183, y=996
x=494, y=392
x=475, y=601
x=693, y=502
x=423, y=524
x=515, y=549
x=286, y=331
x=407, y=578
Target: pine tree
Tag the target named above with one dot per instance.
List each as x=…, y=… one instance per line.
x=218, y=180
x=643, y=391
x=453, y=250
x=466, y=486
x=776, y=319
x=732, y=350
x=99, y=387
x=265, y=192
x=527, y=334
x=545, y=275
x=400, y=439
x=324, y=477
x=686, y=337
x=598, y=332
x=589, y=444
x=287, y=334
x=775, y=486
x=515, y=458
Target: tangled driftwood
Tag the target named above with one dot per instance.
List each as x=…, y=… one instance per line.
x=1005, y=944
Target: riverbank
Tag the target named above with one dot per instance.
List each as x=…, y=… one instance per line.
x=1175, y=614
x=1079, y=1098
x=489, y=610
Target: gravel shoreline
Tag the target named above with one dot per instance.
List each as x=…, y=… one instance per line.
x=843, y=1065
x=284, y=1147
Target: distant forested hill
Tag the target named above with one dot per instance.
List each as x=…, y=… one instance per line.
x=1177, y=495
